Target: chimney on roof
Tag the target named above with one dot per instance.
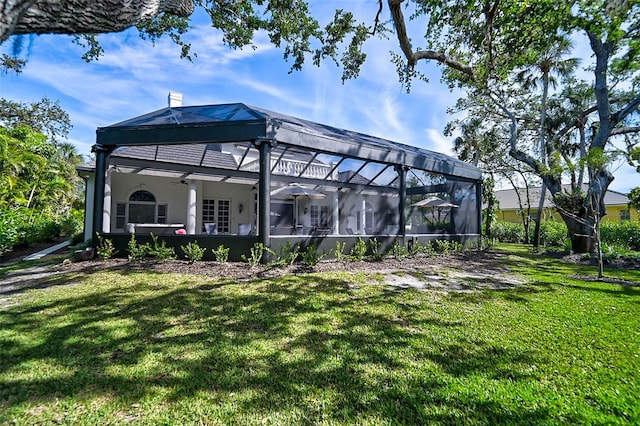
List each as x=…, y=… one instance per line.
x=175, y=99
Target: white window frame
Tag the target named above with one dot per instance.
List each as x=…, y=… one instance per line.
x=123, y=219
x=218, y=211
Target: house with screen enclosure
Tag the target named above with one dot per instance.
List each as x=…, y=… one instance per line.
x=236, y=175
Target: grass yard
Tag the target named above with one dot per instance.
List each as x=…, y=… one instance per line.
x=330, y=348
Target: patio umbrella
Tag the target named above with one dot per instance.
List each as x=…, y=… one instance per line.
x=293, y=191
x=435, y=203
x=428, y=202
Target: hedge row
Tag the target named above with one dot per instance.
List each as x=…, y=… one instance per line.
x=625, y=234
x=552, y=233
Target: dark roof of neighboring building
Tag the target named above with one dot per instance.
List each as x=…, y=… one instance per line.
x=353, y=177
x=203, y=155
x=239, y=122
x=509, y=201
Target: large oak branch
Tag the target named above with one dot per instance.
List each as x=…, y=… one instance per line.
x=414, y=57
x=82, y=16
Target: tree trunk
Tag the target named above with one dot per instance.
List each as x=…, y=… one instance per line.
x=536, y=230
x=543, y=156
x=580, y=233
x=582, y=217
x=82, y=16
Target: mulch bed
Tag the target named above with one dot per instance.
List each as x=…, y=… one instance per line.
x=467, y=261
x=238, y=271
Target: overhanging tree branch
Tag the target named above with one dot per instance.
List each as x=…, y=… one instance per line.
x=82, y=16
x=625, y=131
x=414, y=57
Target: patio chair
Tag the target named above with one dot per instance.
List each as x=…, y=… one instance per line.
x=211, y=228
x=244, y=229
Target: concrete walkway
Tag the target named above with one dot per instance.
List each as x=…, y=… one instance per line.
x=49, y=250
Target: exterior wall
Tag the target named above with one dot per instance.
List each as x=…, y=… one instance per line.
x=236, y=194
x=164, y=190
x=172, y=192
x=613, y=213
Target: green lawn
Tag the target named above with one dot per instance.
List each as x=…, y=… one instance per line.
x=331, y=348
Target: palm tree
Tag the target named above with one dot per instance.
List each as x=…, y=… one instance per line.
x=550, y=62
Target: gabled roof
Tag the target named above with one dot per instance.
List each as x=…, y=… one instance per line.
x=351, y=176
x=240, y=122
x=509, y=201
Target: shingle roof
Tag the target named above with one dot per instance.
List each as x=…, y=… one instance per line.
x=353, y=177
x=202, y=155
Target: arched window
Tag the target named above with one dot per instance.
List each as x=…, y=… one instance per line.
x=144, y=196
x=141, y=207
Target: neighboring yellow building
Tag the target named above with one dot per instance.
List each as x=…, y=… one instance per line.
x=511, y=209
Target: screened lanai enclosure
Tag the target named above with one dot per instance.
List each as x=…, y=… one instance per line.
x=237, y=175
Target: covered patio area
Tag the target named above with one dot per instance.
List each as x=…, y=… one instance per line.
x=235, y=175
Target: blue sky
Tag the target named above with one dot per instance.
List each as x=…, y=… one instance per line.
x=134, y=78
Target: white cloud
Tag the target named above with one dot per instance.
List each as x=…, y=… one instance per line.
x=439, y=142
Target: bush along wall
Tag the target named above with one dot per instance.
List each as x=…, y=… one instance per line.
x=20, y=227
x=554, y=234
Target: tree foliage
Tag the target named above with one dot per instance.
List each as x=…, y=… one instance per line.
x=44, y=116
x=36, y=173
x=483, y=47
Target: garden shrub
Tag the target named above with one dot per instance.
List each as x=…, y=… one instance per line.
x=160, y=251
x=552, y=233
x=311, y=256
x=9, y=230
x=287, y=255
x=426, y=249
x=447, y=247
x=376, y=249
x=508, y=232
x=398, y=250
x=43, y=229
x=73, y=223
x=626, y=234
x=137, y=252
x=193, y=252
x=257, y=252
x=359, y=250
x=221, y=254
x=414, y=249
x=105, y=249
x=20, y=227
x=338, y=251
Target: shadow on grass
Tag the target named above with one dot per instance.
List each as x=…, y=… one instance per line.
x=300, y=344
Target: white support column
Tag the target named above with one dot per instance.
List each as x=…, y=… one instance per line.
x=336, y=213
x=363, y=218
x=106, y=208
x=192, y=201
